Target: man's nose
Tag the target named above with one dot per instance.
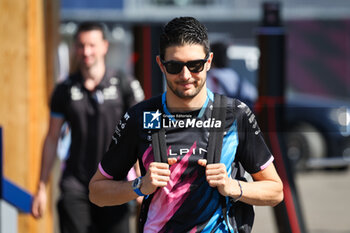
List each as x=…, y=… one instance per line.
x=185, y=73
x=87, y=50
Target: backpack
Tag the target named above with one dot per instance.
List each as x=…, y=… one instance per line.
x=240, y=215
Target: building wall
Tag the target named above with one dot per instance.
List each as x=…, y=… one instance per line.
x=26, y=77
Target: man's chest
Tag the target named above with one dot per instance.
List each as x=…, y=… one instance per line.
x=190, y=142
x=81, y=102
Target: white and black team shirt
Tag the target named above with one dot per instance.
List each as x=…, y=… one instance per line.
x=92, y=115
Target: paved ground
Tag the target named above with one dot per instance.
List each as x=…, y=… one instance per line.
x=325, y=201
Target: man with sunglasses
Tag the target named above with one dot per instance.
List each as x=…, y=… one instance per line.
x=184, y=194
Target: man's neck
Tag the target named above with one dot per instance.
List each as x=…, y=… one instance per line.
x=176, y=104
x=93, y=76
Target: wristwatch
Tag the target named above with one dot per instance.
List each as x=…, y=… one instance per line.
x=136, y=185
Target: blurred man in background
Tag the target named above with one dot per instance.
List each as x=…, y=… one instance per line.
x=92, y=100
x=224, y=80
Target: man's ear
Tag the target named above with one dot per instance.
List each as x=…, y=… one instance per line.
x=160, y=64
x=106, y=46
x=210, y=59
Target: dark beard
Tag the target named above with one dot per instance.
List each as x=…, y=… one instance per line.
x=180, y=94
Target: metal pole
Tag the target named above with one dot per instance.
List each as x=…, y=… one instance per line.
x=270, y=112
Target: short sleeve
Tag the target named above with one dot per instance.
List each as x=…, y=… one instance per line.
x=253, y=152
x=132, y=90
x=122, y=152
x=59, y=101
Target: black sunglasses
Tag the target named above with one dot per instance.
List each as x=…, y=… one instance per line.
x=175, y=67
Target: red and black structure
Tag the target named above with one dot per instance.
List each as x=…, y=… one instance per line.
x=146, y=43
x=270, y=112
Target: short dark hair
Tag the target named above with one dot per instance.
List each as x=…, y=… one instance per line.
x=220, y=59
x=181, y=31
x=90, y=26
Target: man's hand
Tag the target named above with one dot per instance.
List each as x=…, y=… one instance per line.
x=217, y=177
x=39, y=202
x=158, y=175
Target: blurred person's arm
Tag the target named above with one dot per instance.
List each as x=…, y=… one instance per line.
x=48, y=158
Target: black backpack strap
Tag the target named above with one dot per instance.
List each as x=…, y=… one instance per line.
x=159, y=146
x=220, y=134
x=160, y=155
x=216, y=135
x=155, y=146
x=215, y=141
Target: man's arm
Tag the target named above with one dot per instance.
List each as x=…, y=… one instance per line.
x=107, y=192
x=267, y=188
x=47, y=160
